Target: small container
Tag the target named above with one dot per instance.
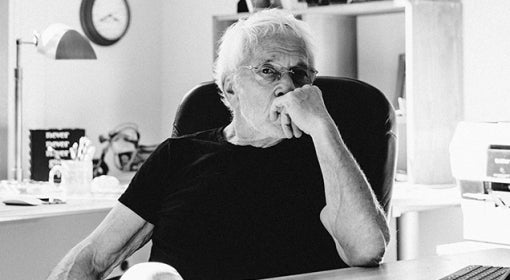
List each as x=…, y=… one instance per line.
x=76, y=177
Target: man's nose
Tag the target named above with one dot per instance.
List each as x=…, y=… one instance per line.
x=285, y=84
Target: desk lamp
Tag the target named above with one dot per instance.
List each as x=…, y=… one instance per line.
x=58, y=41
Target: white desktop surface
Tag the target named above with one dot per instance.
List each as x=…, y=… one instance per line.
x=423, y=217
x=71, y=207
x=35, y=238
x=429, y=268
x=51, y=230
x=409, y=197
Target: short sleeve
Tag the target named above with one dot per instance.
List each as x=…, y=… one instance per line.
x=146, y=189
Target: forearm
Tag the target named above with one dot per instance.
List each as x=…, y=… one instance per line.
x=77, y=264
x=352, y=214
x=120, y=234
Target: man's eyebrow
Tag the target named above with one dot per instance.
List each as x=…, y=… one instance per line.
x=299, y=64
x=302, y=64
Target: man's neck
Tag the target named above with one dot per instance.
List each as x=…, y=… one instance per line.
x=241, y=137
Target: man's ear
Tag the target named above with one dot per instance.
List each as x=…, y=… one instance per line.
x=229, y=91
x=228, y=85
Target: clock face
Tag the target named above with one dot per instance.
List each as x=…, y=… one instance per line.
x=110, y=18
x=105, y=21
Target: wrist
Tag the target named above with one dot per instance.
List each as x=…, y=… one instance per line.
x=324, y=127
x=327, y=138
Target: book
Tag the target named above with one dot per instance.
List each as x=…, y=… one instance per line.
x=400, y=90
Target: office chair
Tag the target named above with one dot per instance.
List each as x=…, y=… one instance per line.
x=365, y=119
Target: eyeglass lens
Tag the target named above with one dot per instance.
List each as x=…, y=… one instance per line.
x=300, y=75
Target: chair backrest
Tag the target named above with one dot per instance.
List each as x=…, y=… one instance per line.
x=365, y=119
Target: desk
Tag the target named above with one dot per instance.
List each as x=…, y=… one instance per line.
x=40, y=236
x=408, y=197
x=47, y=232
x=426, y=268
x=72, y=207
x=34, y=238
x=423, y=216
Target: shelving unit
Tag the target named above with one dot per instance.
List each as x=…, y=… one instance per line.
x=433, y=69
x=357, y=9
x=350, y=11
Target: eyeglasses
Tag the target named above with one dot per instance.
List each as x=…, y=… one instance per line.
x=270, y=73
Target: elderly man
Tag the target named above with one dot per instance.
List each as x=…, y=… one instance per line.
x=275, y=192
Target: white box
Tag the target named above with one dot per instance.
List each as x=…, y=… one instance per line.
x=483, y=221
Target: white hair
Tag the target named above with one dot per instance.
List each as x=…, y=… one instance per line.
x=241, y=38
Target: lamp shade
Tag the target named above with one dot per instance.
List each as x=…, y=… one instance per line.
x=59, y=41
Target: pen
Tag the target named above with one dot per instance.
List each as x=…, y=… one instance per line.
x=73, y=150
x=82, y=150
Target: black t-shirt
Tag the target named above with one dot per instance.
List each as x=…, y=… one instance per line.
x=223, y=211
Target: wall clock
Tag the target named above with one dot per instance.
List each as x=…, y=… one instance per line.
x=105, y=22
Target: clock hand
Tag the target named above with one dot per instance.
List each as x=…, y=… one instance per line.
x=105, y=17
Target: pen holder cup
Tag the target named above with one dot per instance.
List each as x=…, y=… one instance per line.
x=76, y=177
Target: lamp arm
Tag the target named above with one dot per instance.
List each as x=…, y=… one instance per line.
x=18, y=120
x=18, y=77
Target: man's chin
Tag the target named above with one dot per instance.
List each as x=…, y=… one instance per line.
x=277, y=132
x=272, y=130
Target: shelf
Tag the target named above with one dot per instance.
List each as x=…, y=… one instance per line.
x=433, y=47
x=334, y=28
x=357, y=9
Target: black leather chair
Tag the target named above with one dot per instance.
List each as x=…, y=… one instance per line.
x=364, y=117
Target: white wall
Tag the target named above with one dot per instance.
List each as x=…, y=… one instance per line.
x=187, y=47
x=123, y=84
x=140, y=80
x=381, y=38
x=486, y=60
x=5, y=75
x=167, y=50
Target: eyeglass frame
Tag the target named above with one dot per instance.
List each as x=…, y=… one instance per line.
x=282, y=71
